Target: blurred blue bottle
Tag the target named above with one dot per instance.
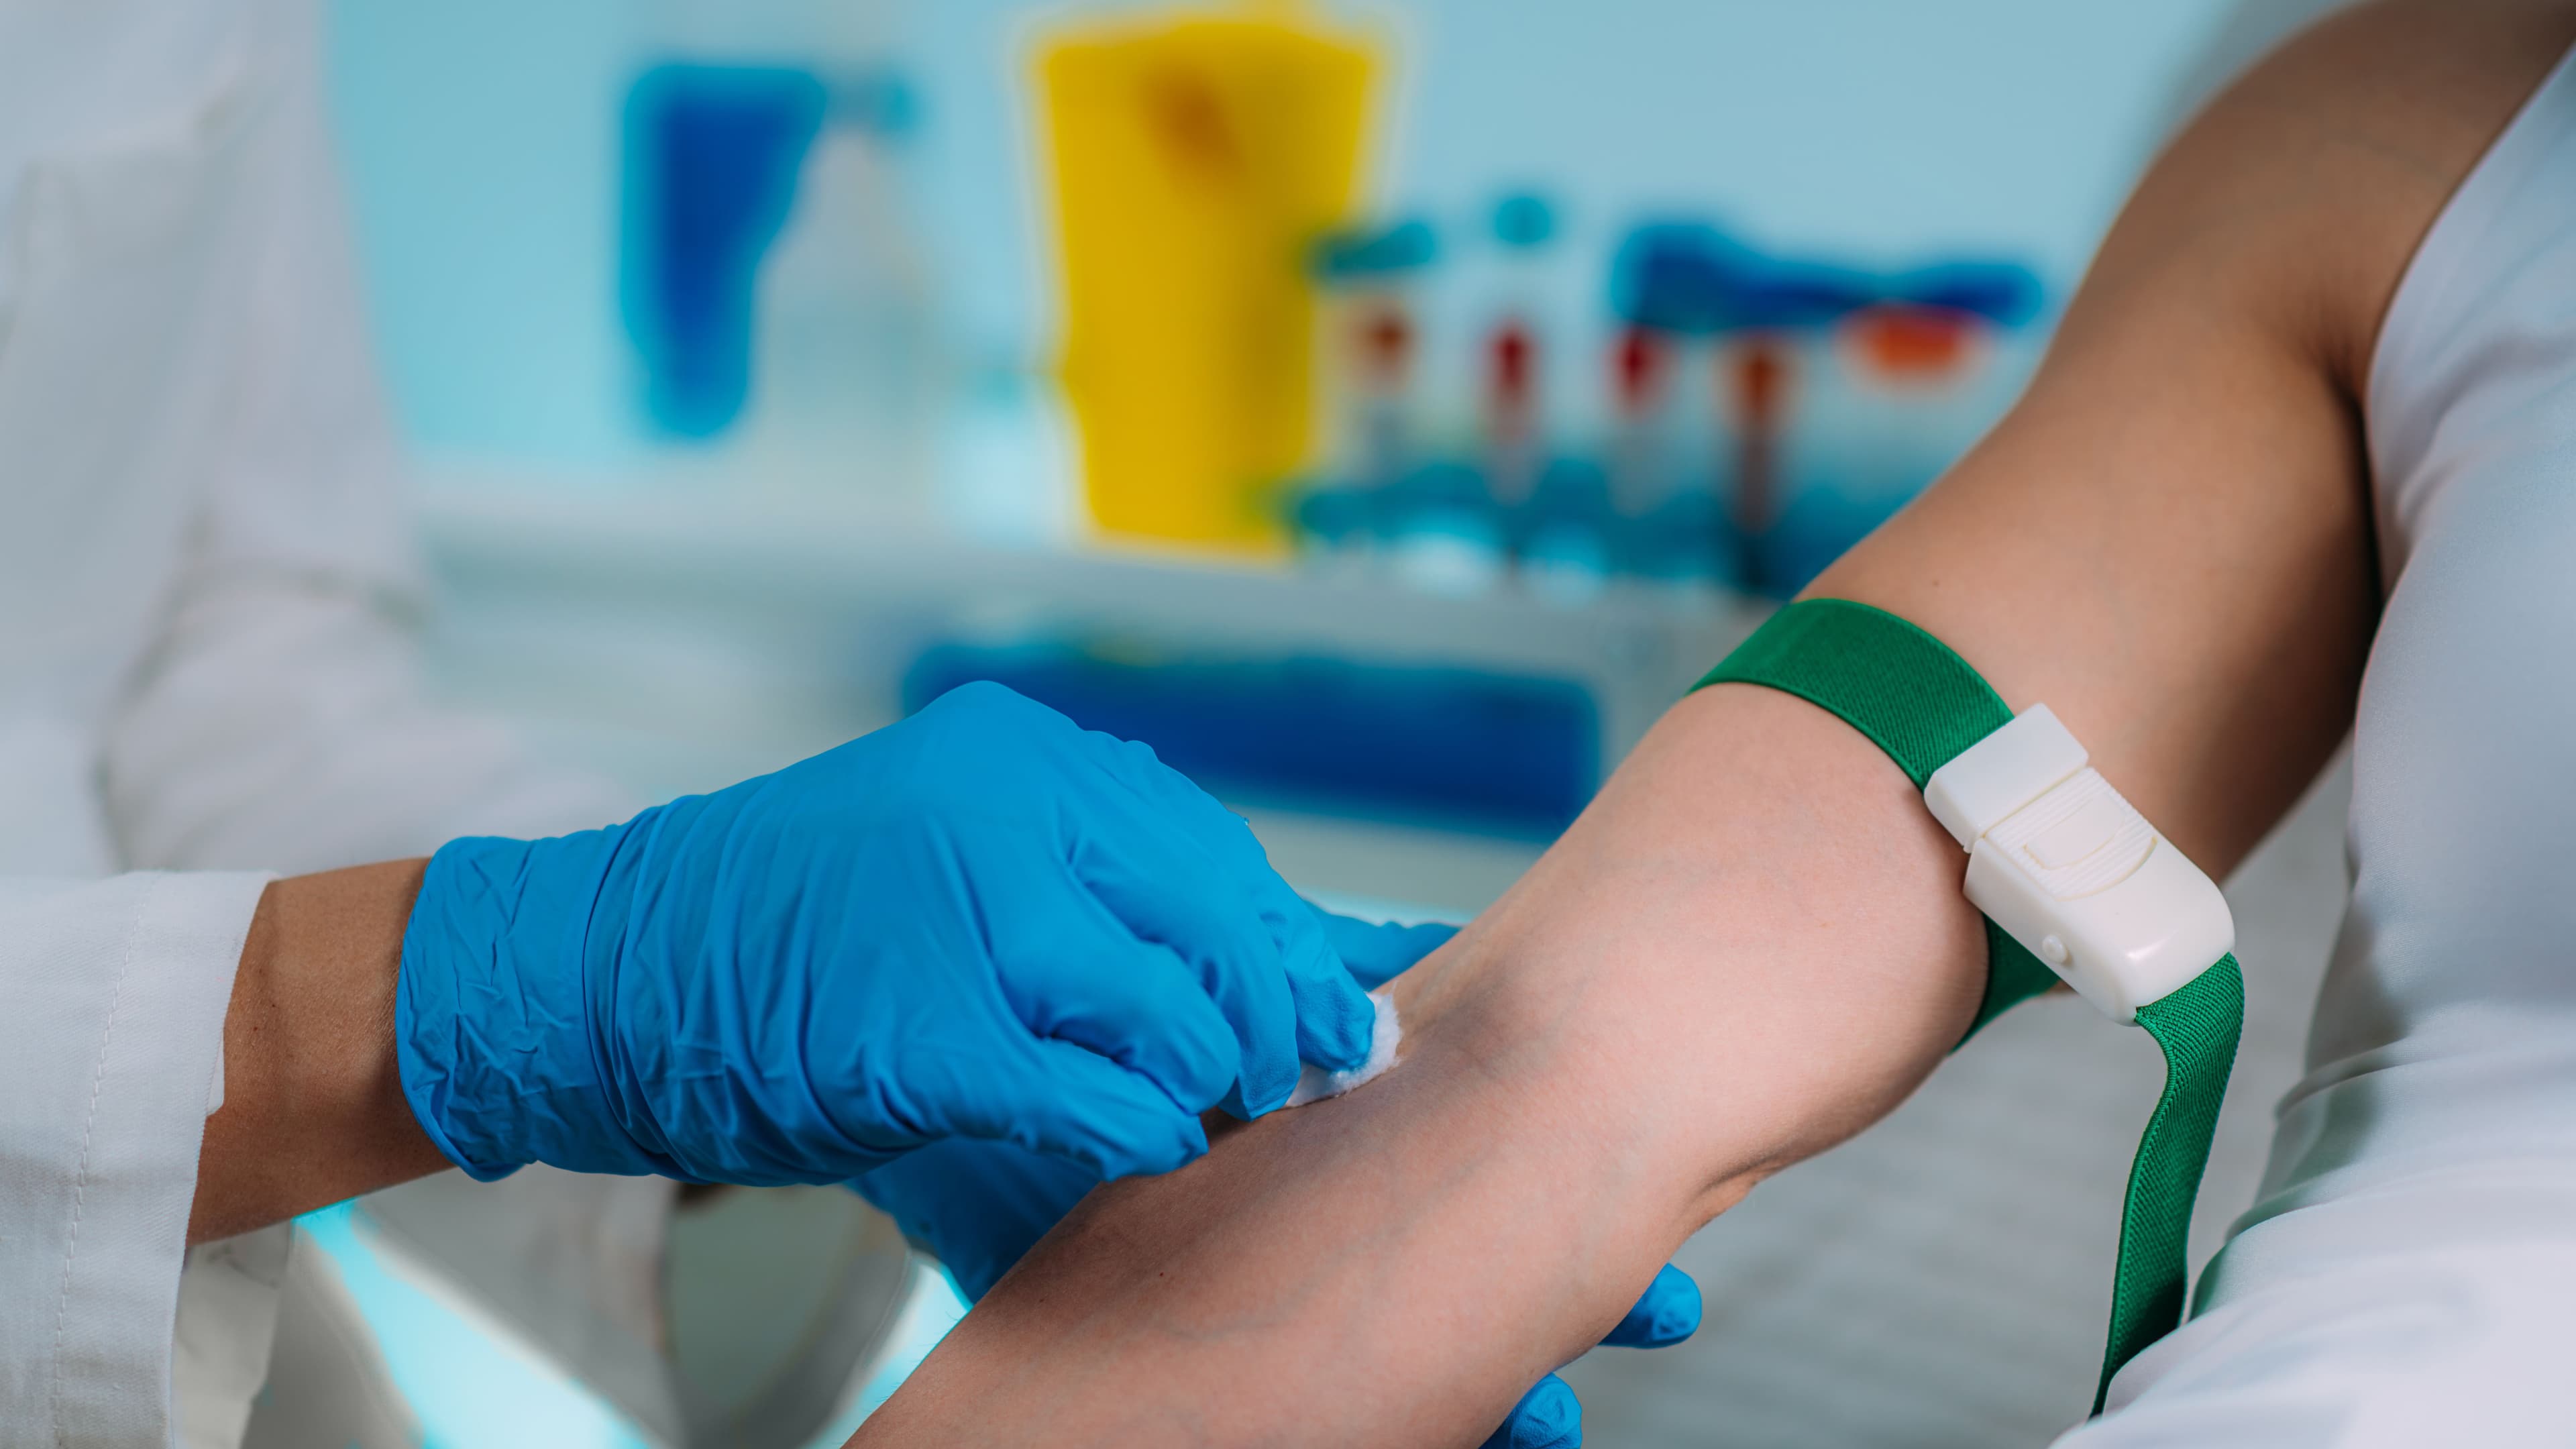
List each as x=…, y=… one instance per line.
x=712, y=157
x=770, y=279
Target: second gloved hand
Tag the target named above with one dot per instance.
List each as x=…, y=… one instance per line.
x=983, y=922
x=980, y=1206
x=1550, y=1417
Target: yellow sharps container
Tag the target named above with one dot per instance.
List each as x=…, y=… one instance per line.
x=1194, y=156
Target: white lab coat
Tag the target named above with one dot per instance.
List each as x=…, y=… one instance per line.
x=205, y=676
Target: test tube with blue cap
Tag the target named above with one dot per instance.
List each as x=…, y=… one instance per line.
x=1369, y=278
x=1523, y=224
x=1672, y=285
x=1775, y=306
x=1372, y=359
x=1639, y=447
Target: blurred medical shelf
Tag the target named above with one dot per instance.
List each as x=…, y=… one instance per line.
x=681, y=636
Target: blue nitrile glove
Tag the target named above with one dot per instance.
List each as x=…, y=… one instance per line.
x=1550, y=1417
x=982, y=922
x=980, y=1206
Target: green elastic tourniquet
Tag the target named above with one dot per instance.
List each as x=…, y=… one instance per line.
x=1886, y=678
x=1923, y=705
x=2197, y=1026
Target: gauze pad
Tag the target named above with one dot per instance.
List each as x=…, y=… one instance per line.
x=1314, y=1084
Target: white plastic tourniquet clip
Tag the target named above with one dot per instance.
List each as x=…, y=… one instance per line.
x=2073, y=872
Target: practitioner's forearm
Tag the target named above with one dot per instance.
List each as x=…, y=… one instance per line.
x=313, y=1106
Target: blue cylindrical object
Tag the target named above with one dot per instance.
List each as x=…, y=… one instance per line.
x=2004, y=293
x=712, y=156
x=1460, y=747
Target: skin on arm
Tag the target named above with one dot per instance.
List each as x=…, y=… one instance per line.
x=313, y=1108
x=1753, y=944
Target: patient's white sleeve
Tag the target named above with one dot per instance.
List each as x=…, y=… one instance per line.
x=112, y=1001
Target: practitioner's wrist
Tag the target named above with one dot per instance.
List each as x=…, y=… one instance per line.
x=313, y=1106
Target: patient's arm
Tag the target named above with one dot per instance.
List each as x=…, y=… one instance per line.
x=1753, y=944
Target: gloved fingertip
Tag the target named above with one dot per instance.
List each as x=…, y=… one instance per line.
x=1678, y=1315
x=1549, y=1416
x=1336, y=1021
x=1073, y=1104
x=1666, y=1313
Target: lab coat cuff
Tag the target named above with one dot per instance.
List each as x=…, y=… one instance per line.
x=118, y=991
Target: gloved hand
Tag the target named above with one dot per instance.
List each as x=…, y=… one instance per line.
x=1550, y=1417
x=982, y=922
x=980, y=1206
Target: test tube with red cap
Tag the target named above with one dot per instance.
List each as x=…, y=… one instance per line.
x=1372, y=355
x=1757, y=373
x=1642, y=362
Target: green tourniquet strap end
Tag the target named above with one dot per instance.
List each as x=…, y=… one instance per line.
x=2197, y=1027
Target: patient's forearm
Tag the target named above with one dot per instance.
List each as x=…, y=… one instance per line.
x=1712, y=975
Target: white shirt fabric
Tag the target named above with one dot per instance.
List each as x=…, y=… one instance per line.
x=205, y=669
x=2405, y=1276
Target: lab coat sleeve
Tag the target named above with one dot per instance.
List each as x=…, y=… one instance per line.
x=281, y=722
x=116, y=991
